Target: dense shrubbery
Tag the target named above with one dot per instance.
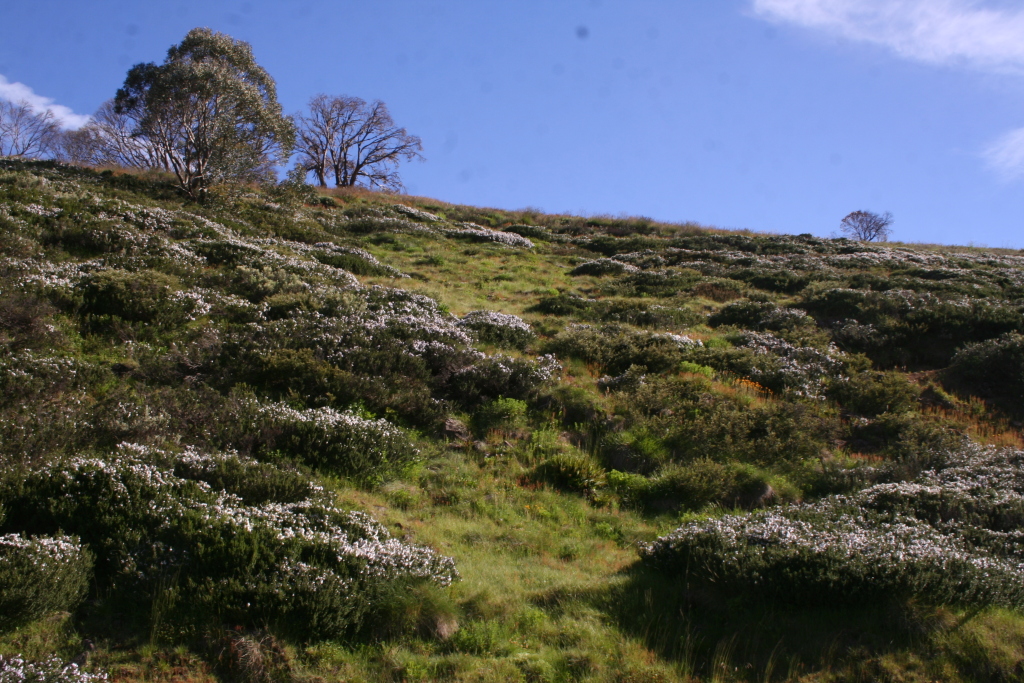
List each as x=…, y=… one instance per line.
x=51, y=670
x=952, y=536
x=994, y=367
x=366, y=450
x=503, y=330
x=614, y=348
x=40, y=575
x=153, y=520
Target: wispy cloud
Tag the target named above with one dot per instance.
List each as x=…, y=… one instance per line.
x=959, y=32
x=987, y=36
x=19, y=92
x=1005, y=155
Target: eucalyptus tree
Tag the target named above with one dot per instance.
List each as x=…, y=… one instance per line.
x=353, y=142
x=210, y=112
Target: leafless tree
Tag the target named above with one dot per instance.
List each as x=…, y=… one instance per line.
x=109, y=139
x=867, y=226
x=24, y=132
x=353, y=142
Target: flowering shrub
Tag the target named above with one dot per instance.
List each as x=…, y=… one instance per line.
x=365, y=450
x=481, y=234
x=615, y=348
x=603, y=266
x=307, y=565
x=495, y=376
x=500, y=329
x=803, y=370
x=950, y=536
x=40, y=575
x=53, y=670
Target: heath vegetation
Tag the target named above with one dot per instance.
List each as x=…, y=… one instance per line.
x=272, y=433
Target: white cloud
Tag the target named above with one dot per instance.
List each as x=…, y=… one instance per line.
x=1005, y=155
x=19, y=92
x=964, y=32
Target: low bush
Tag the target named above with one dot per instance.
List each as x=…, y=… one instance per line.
x=874, y=393
x=366, y=450
x=698, y=484
x=994, y=367
x=571, y=471
x=40, y=575
x=614, y=348
x=500, y=329
x=951, y=536
x=494, y=376
x=501, y=413
x=307, y=567
x=143, y=297
x=51, y=670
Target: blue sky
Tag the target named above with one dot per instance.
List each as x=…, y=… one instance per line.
x=772, y=115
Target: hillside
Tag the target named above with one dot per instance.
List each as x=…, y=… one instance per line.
x=287, y=435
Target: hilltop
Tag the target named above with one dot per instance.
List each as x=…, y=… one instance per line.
x=284, y=434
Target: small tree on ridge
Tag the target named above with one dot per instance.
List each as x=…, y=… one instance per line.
x=867, y=226
x=353, y=142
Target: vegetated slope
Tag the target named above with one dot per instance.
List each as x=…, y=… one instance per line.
x=356, y=436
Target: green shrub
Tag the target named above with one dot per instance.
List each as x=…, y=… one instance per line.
x=146, y=297
x=40, y=575
x=500, y=329
x=495, y=376
x=874, y=393
x=571, y=471
x=366, y=450
x=307, y=567
x=698, y=484
x=994, y=367
x=501, y=413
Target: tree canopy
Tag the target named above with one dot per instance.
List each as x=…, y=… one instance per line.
x=867, y=226
x=353, y=142
x=209, y=112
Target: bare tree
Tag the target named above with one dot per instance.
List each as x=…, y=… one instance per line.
x=867, y=226
x=353, y=142
x=24, y=132
x=110, y=139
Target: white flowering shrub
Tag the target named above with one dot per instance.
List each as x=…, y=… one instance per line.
x=803, y=370
x=604, y=266
x=417, y=214
x=501, y=329
x=615, y=347
x=478, y=233
x=52, y=670
x=40, y=575
x=496, y=376
x=366, y=450
x=149, y=515
x=951, y=536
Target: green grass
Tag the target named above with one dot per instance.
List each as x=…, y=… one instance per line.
x=552, y=588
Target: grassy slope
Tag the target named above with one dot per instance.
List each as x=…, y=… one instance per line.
x=551, y=589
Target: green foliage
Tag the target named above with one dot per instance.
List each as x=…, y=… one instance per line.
x=994, y=367
x=501, y=413
x=207, y=72
x=699, y=484
x=40, y=575
x=571, y=471
x=872, y=394
x=144, y=297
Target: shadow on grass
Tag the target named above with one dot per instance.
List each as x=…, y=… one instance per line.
x=722, y=637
